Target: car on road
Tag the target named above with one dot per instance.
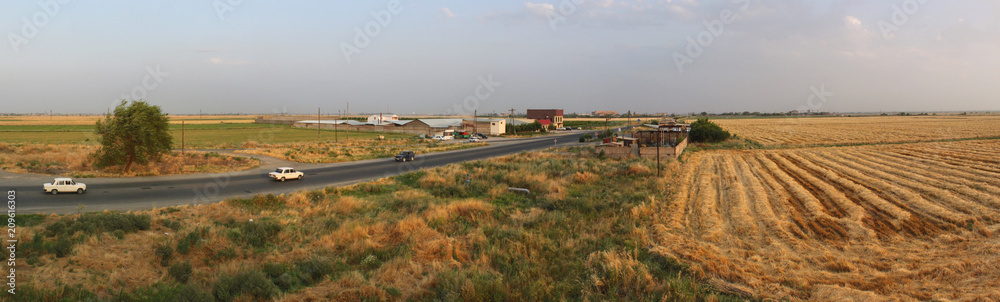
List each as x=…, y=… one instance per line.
x=406, y=156
x=480, y=136
x=473, y=139
x=285, y=173
x=64, y=185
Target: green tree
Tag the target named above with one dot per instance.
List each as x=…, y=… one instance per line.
x=136, y=133
x=704, y=130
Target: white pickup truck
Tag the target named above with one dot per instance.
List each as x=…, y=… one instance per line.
x=64, y=185
x=285, y=173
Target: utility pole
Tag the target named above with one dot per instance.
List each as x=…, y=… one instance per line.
x=475, y=122
x=512, y=126
x=182, y=137
x=319, y=124
x=659, y=141
x=348, y=134
x=336, y=126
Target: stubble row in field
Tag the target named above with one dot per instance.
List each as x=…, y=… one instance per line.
x=914, y=221
x=862, y=130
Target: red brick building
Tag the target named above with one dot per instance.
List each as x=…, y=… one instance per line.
x=555, y=116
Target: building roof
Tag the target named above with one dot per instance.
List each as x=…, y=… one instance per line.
x=545, y=122
x=443, y=123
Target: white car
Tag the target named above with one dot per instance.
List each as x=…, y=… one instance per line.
x=474, y=140
x=438, y=138
x=448, y=137
x=64, y=185
x=285, y=173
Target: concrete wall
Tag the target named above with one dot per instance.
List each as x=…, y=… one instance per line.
x=647, y=152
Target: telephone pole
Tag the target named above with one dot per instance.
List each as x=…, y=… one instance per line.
x=336, y=126
x=659, y=133
x=182, y=137
x=475, y=122
x=319, y=125
x=348, y=134
x=512, y=127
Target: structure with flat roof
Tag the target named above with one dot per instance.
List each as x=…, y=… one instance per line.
x=554, y=116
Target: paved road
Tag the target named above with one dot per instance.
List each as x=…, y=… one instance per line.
x=141, y=193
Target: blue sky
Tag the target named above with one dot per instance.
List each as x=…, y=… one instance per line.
x=432, y=56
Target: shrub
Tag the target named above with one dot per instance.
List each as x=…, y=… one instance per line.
x=181, y=271
x=256, y=234
x=259, y=203
x=63, y=247
x=185, y=244
x=707, y=131
x=247, y=283
x=172, y=224
x=164, y=252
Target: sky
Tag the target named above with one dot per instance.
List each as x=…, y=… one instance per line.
x=442, y=56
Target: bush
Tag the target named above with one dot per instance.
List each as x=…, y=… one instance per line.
x=256, y=234
x=181, y=271
x=259, y=203
x=248, y=283
x=63, y=247
x=185, y=244
x=707, y=131
x=164, y=252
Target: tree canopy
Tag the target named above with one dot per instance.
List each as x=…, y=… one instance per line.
x=136, y=133
x=704, y=130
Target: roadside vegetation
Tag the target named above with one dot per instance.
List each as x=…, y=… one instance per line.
x=72, y=160
x=455, y=233
x=351, y=150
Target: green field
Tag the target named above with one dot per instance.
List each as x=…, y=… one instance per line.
x=195, y=136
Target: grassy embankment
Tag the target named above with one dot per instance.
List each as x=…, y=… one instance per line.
x=583, y=233
x=351, y=150
x=72, y=160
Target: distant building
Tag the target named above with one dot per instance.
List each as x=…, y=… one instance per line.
x=378, y=119
x=553, y=116
x=605, y=113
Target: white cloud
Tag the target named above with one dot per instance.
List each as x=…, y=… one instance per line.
x=539, y=9
x=219, y=61
x=447, y=12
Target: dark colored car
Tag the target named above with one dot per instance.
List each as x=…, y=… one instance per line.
x=480, y=136
x=406, y=156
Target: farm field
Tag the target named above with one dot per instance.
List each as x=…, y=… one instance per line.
x=861, y=130
x=203, y=136
x=907, y=221
x=91, y=119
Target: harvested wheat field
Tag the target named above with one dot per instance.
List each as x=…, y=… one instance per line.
x=908, y=222
x=862, y=130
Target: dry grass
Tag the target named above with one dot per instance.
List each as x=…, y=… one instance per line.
x=348, y=150
x=913, y=221
x=861, y=130
x=423, y=236
x=73, y=160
